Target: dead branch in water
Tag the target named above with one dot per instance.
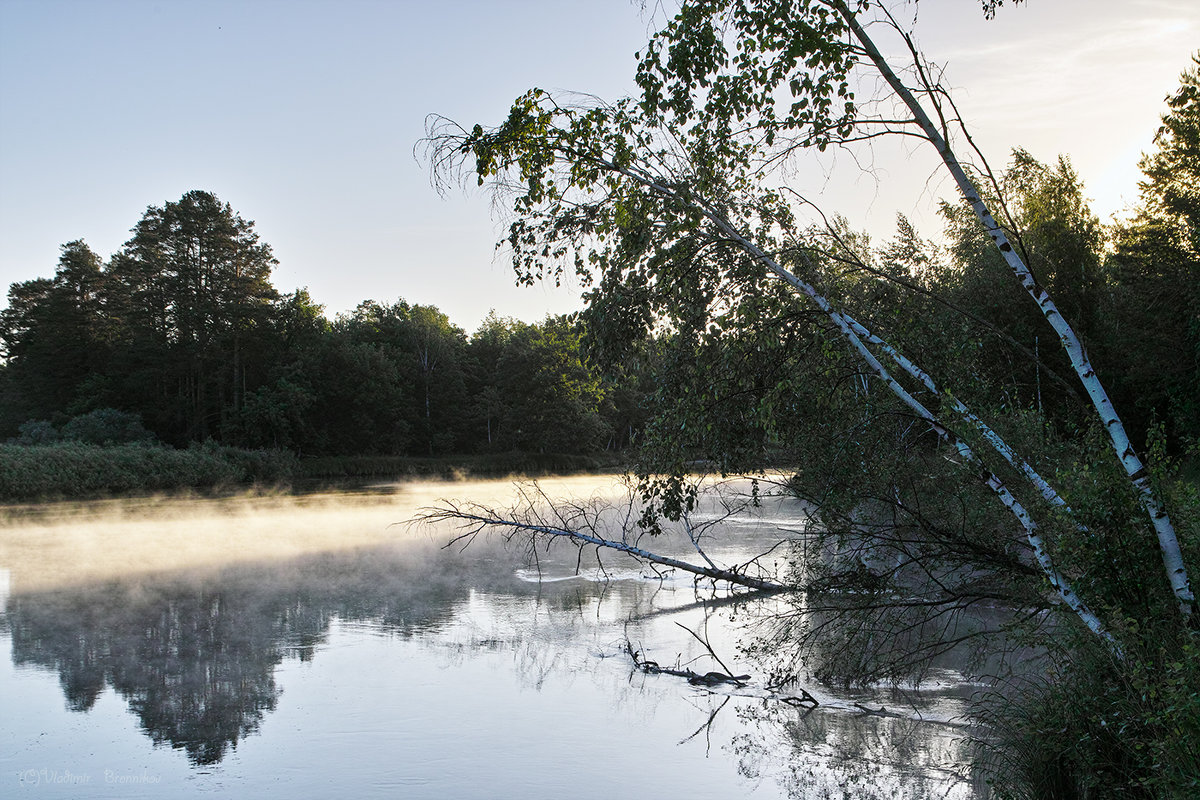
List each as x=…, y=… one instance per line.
x=695, y=678
x=581, y=523
x=711, y=679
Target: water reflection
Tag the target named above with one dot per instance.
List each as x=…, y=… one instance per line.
x=857, y=755
x=194, y=656
x=416, y=650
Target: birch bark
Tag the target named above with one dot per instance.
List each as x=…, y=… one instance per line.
x=1057, y=580
x=1168, y=542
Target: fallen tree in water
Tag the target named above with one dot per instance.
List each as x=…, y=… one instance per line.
x=584, y=524
x=711, y=678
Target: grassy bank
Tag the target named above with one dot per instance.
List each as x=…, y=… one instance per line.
x=76, y=470
x=487, y=465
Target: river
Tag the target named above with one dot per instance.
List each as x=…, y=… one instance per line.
x=319, y=646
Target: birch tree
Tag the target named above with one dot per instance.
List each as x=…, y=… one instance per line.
x=673, y=209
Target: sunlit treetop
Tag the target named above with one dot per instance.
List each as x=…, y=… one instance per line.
x=717, y=66
x=1173, y=170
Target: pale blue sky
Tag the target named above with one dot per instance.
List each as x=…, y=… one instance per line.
x=303, y=116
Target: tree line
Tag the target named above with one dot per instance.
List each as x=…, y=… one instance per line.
x=183, y=330
x=181, y=335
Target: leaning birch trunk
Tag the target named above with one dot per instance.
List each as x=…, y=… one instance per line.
x=1168, y=543
x=1037, y=543
x=1048, y=492
x=1057, y=580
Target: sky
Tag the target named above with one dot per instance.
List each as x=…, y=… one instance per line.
x=304, y=116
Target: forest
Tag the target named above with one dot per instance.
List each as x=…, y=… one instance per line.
x=181, y=337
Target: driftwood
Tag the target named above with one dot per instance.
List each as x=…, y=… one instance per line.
x=695, y=678
x=714, y=678
x=710, y=679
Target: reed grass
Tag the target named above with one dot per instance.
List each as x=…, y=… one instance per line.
x=480, y=465
x=75, y=469
x=79, y=470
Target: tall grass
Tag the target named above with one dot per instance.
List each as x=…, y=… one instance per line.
x=74, y=469
x=492, y=464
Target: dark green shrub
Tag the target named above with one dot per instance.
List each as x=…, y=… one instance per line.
x=1100, y=726
x=1101, y=729
x=106, y=426
x=37, y=431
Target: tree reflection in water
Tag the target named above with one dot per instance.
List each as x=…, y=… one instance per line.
x=194, y=656
x=838, y=754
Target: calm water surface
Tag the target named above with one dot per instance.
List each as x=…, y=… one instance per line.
x=309, y=647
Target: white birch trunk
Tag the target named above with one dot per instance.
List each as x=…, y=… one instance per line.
x=1168, y=543
x=1058, y=582
x=1048, y=492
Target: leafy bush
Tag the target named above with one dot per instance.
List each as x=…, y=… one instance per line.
x=1100, y=729
x=37, y=431
x=103, y=426
x=1101, y=726
x=106, y=426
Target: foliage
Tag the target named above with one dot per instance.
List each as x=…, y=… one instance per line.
x=1155, y=265
x=74, y=469
x=990, y=6
x=1095, y=729
x=53, y=337
x=552, y=397
x=106, y=426
x=103, y=426
x=195, y=280
x=1062, y=242
x=1172, y=173
x=36, y=431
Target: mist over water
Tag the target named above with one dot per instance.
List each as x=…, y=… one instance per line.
x=72, y=543
x=312, y=647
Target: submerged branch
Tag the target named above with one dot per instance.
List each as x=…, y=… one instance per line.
x=695, y=678
x=474, y=520
x=801, y=700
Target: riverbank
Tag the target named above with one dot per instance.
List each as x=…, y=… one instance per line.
x=76, y=471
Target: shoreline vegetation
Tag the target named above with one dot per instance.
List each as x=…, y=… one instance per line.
x=79, y=471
